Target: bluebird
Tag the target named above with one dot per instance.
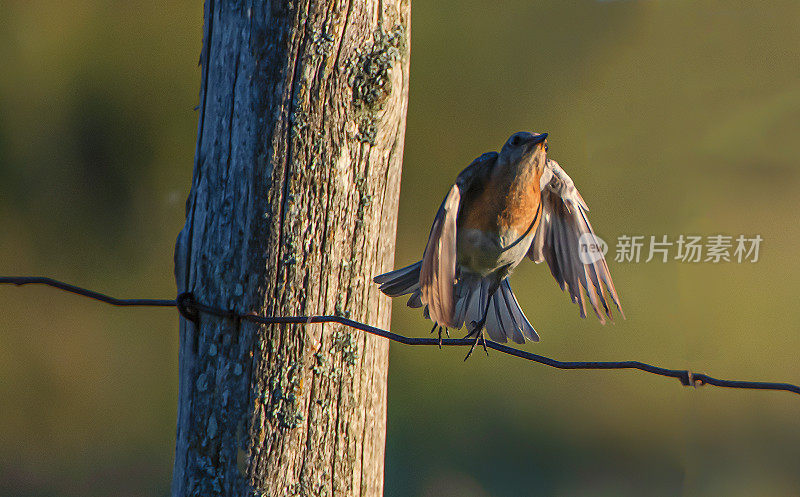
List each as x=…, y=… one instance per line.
x=502, y=208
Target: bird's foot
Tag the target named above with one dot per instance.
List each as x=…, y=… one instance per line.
x=477, y=329
x=447, y=332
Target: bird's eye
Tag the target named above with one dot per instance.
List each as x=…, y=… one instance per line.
x=545, y=147
x=515, y=141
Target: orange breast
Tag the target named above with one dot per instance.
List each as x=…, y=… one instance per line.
x=504, y=204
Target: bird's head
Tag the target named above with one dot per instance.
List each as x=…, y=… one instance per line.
x=524, y=147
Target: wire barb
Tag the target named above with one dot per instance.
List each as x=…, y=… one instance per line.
x=187, y=307
x=190, y=309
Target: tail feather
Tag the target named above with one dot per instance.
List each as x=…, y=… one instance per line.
x=400, y=281
x=507, y=311
x=505, y=318
x=462, y=305
x=515, y=310
x=415, y=300
x=494, y=324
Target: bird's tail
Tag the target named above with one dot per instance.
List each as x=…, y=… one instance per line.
x=504, y=319
x=402, y=282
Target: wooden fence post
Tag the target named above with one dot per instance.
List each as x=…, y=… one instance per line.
x=292, y=210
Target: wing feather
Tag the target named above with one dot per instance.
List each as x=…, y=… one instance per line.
x=558, y=242
x=438, y=270
x=438, y=267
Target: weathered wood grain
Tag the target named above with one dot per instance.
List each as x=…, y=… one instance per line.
x=292, y=210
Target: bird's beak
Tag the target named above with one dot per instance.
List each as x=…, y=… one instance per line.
x=539, y=138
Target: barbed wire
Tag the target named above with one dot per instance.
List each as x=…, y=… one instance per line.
x=190, y=308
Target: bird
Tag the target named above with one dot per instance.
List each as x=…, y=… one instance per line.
x=504, y=207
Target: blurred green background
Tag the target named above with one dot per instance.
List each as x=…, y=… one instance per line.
x=673, y=117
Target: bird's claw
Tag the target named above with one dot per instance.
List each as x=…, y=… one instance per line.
x=446, y=330
x=477, y=329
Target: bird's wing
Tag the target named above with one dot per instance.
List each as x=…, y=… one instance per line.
x=438, y=271
x=562, y=233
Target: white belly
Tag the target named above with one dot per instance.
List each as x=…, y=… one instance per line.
x=484, y=253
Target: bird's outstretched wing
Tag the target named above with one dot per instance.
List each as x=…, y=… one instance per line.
x=438, y=271
x=562, y=233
